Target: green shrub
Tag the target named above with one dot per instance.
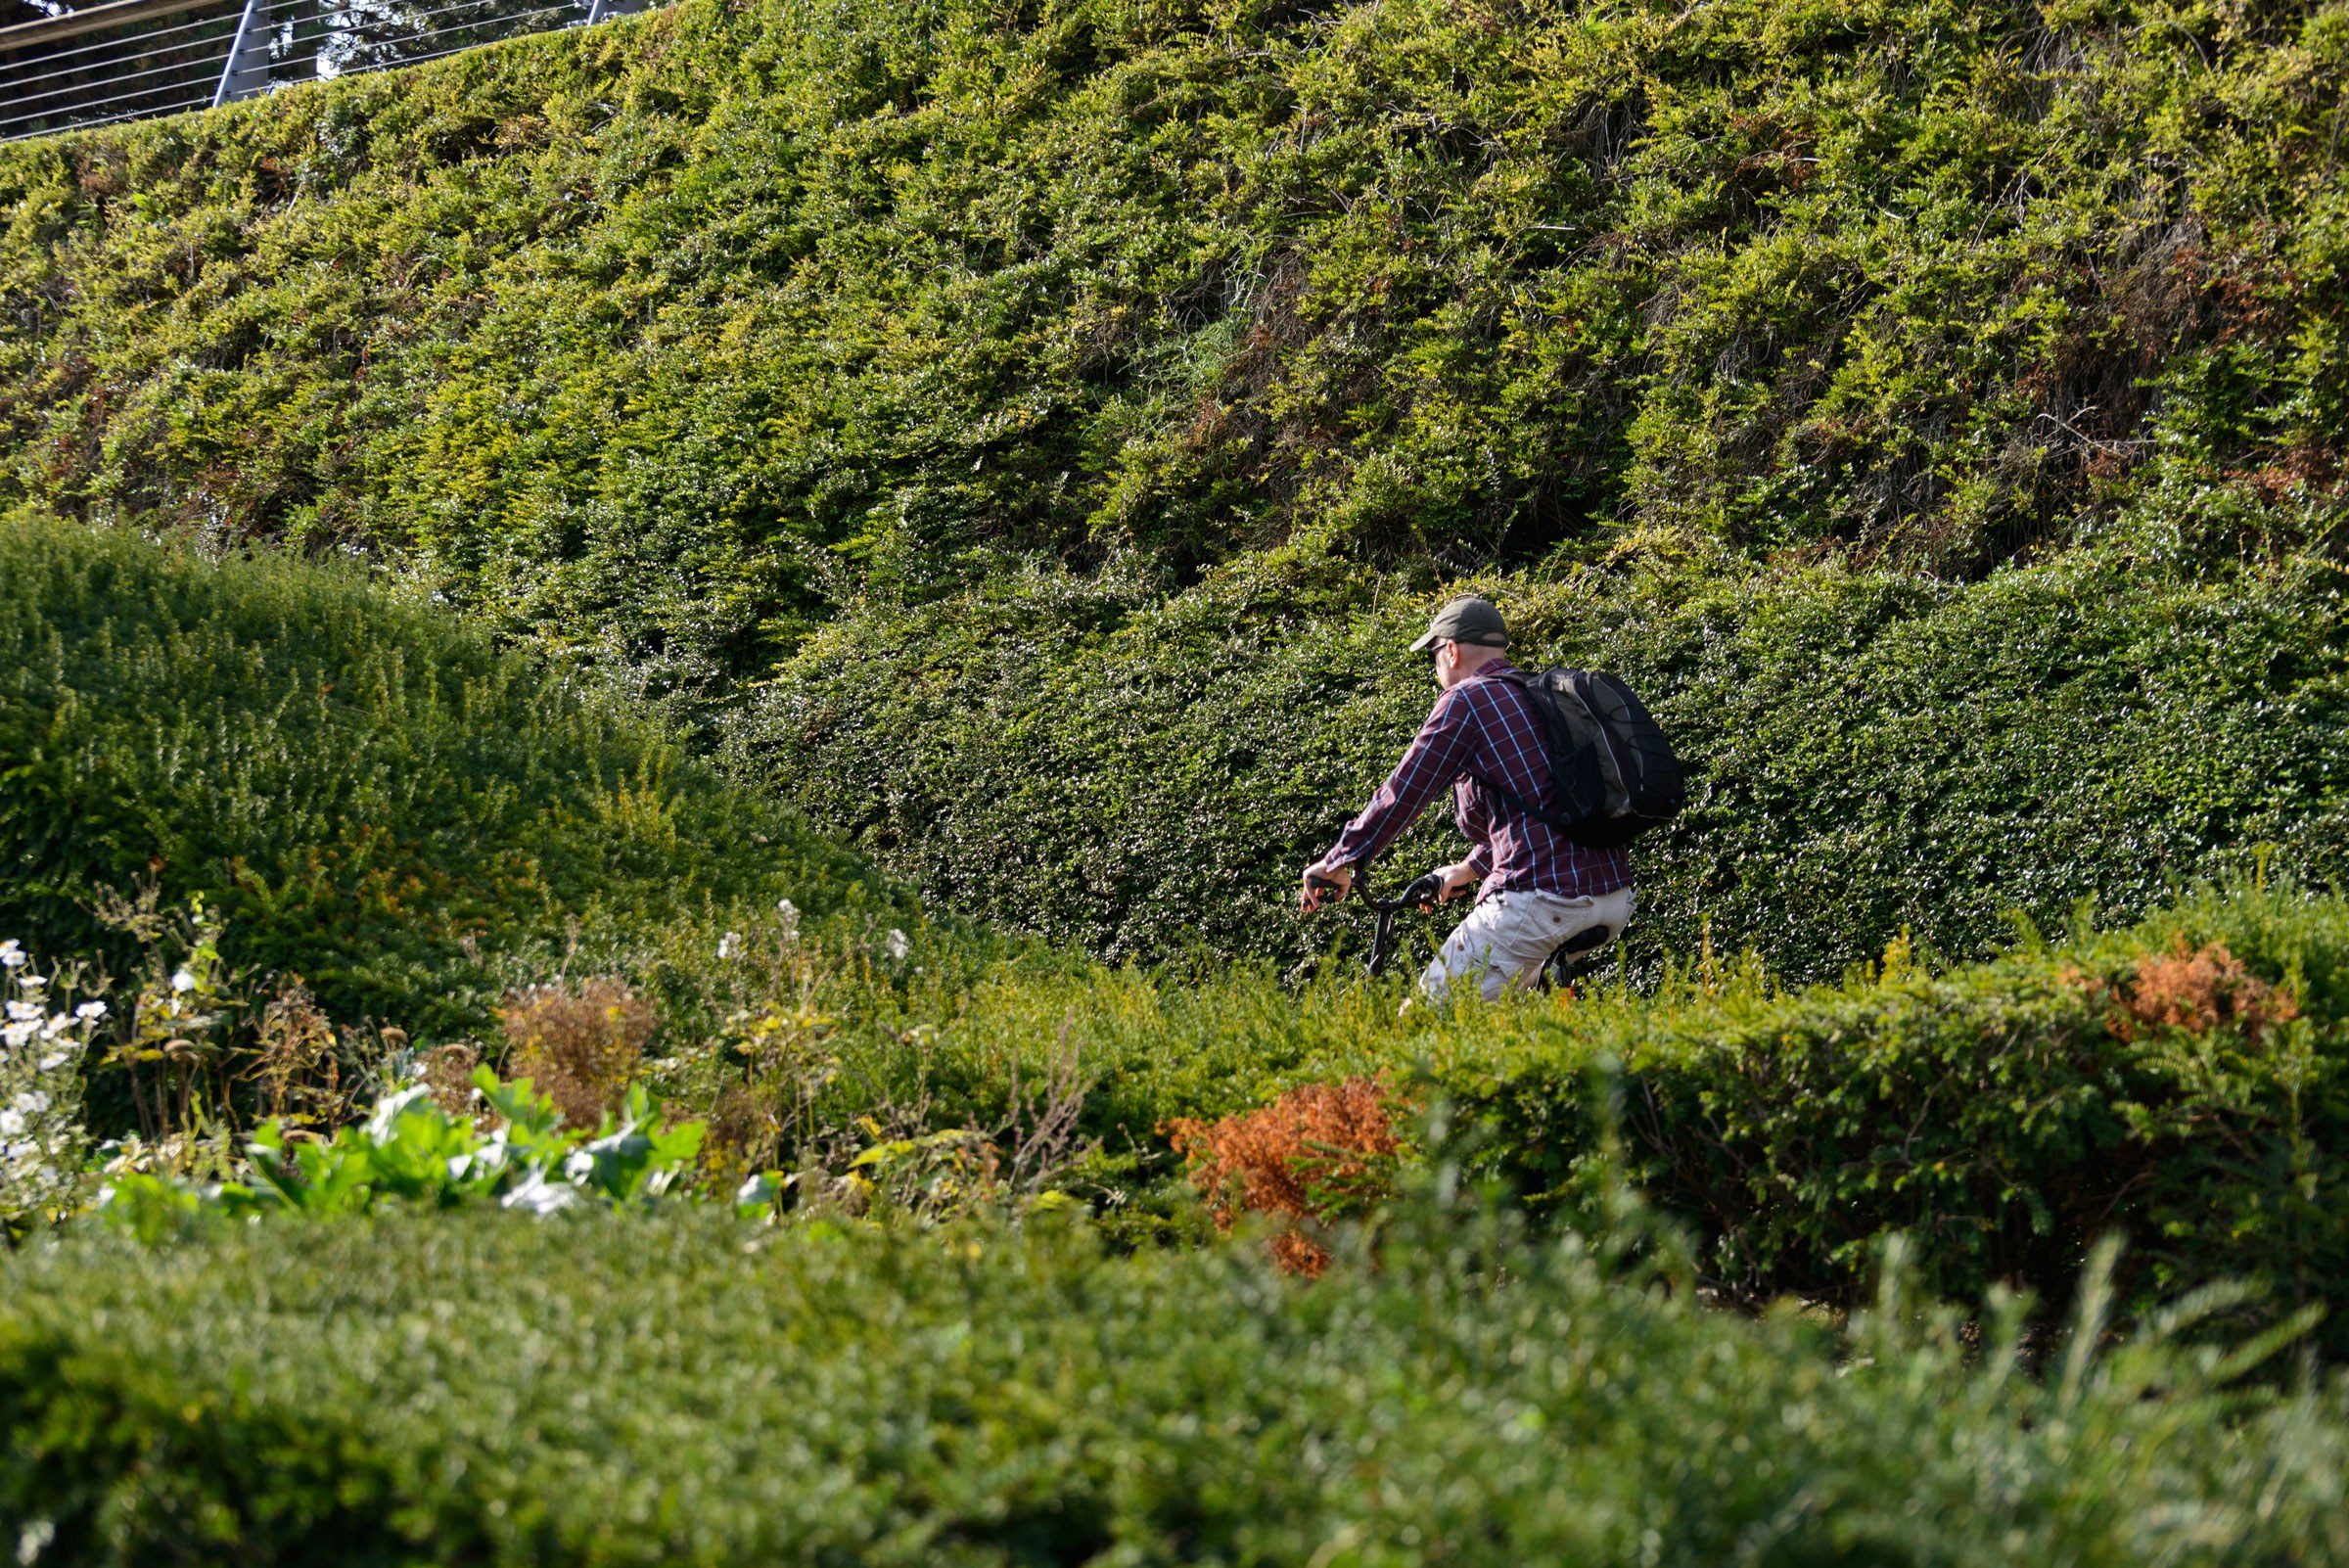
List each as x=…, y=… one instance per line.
x=672, y=336
x=372, y=796
x=2003, y=1115
x=486, y=1388
x=1873, y=752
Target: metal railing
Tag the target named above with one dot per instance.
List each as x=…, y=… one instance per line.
x=134, y=59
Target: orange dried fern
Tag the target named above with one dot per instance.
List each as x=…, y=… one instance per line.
x=1319, y=1151
x=2197, y=990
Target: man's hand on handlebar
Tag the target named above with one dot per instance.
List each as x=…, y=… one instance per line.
x=1324, y=884
x=1459, y=878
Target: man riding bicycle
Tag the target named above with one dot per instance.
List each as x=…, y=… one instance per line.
x=1538, y=891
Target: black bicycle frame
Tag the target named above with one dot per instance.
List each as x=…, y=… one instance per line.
x=1423, y=894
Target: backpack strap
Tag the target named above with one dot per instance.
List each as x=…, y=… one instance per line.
x=1519, y=804
x=1509, y=797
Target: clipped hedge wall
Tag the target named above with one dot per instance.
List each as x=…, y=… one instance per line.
x=2185, y=1083
x=1875, y=750
x=829, y=332
x=374, y=799
x=489, y=1389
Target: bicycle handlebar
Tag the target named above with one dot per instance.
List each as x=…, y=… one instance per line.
x=1423, y=893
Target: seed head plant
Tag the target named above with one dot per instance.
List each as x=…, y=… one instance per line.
x=297, y=1076
x=580, y=1042
x=176, y=1053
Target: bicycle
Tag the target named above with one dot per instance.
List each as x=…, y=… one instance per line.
x=1424, y=893
x=1559, y=970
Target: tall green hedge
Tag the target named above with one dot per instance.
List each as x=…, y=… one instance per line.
x=489, y=1389
x=999, y=370
x=375, y=798
x=1872, y=751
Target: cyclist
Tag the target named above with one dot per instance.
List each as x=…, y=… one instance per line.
x=1537, y=890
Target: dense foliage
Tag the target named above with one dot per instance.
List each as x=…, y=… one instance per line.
x=485, y=1388
x=1876, y=752
x=2183, y=1082
x=1024, y=435
x=376, y=800
x=925, y=346
x=679, y=334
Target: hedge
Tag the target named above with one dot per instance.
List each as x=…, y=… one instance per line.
x=904, y=346
x=373, y=797
x=2182, y=1083
x=1873, y=751
x=486, y=1388
x=666, y=341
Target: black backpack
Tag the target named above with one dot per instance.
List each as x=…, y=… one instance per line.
x=1612, y=770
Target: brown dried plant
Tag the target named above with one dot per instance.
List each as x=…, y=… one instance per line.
x=580, y=1042
x=2197, y=990
x=295, y=1071
x=449, y=1079
x=1317, y=1152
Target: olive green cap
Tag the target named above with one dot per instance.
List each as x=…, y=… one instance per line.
x=1467, y=619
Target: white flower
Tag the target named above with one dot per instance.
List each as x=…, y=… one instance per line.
x=538, y=1195
x=54, y=1060
x=729, y=945
x=31, y=1101
x=12, y=1122
x=19, y=1011
x=789, y=910
x=90, y=1010
x=18, y=1033
x=12, y=954
x=183, y=980
x=897, y=945
x=391, y=1107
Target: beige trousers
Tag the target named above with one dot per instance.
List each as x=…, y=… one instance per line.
x=1506, y=939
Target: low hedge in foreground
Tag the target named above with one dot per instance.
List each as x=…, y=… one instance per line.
x=489, y=1389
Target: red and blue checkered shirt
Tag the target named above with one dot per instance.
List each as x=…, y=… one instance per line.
x=1490, y=727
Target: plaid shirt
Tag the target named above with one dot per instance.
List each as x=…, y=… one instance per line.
x=1490, y=727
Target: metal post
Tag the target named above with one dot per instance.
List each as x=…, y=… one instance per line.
x=246, y=72
x=309, y=36
x=598, y=9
